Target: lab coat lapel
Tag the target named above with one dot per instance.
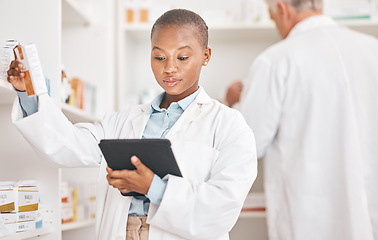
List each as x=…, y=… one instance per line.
x=140, y=121
x=190, y=114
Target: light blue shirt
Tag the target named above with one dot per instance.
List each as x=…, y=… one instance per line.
x=160, y=122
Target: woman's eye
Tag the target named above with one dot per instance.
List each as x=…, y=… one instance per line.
x=159, y=58
x=182, y=58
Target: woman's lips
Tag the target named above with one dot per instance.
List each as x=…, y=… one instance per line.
x=171, y=81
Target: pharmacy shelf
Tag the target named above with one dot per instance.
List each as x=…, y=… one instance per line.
x=368, y=26
x=359, y=22
x=7, y=93
x=76, y=115
x=28, y=234
x=246, y=31
x=73, y=14
x=228, y=31
x=78, y=224
x=215, y=26
x=252, y=214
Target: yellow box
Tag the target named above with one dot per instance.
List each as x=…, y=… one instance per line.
x=28, y=198
x=8, y=197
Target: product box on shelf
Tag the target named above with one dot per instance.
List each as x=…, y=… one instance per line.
x=137, y=11
x=19, y=206
x=10, y=217
x=8, y=196
x=78, y=93
x=78, y=201
x=67, y=205
x=26, y=216
x=10, y=228
x=25, y=226
x=28, y=196
x=8, y=223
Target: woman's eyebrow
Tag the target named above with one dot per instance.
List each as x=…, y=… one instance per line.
x=180, y=48
x=155, y=47
x=187, y=46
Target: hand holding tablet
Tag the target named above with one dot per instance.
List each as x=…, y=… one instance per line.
x=156, y=154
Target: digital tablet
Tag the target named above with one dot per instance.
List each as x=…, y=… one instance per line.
x=156, y=154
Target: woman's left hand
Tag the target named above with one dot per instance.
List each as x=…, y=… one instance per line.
x=126, y=181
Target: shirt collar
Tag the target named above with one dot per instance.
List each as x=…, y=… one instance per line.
x=311, y=23
x=183, y=103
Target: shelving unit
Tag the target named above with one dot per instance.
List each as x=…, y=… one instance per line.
x=252, y=214
x=78, y=225
x=29, y=234
x=69, y=26
x=76, y=115
x=73, y=14
x=7, y=93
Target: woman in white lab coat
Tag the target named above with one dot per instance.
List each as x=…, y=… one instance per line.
x=212, y=144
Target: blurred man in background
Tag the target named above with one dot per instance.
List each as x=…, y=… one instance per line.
x=312, y=102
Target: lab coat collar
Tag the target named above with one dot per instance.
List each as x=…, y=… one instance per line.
x=191, y=113
x=202, y=98
x=312, y=23
x=183, y=103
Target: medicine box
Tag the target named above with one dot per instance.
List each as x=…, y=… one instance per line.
x=28, y=198
x=8, y=197
x=25, y=226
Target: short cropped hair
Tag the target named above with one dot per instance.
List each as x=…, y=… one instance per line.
x=183, y=17
x=299, y=5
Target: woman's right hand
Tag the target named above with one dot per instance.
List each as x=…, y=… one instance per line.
x=15, y=76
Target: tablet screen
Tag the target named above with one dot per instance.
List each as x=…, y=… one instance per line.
x=156, y=154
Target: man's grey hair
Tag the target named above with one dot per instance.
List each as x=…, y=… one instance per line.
x=299, y=5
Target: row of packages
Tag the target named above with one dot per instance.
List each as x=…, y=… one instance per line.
x=19, y=206
x=78, y=93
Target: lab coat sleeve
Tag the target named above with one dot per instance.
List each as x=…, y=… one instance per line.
x=208, y=210
x=54, y=138
x=261, y=101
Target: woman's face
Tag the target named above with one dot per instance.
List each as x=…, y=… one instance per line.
x=177, y=57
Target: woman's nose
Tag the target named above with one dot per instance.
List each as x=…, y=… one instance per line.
x=170, y=66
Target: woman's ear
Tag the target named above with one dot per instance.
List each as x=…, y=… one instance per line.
x=207, y=56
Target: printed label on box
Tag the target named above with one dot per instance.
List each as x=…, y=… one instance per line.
x=27, y=200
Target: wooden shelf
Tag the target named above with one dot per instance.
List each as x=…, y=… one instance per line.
x=76, y=115
x=7, y=93
x=28, y=234
x=78, y=224
x=73, y=14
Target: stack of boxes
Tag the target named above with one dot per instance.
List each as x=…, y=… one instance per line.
x=19, y=206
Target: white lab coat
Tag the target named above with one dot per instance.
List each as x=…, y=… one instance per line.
x=214, y=148
x=312, y=103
